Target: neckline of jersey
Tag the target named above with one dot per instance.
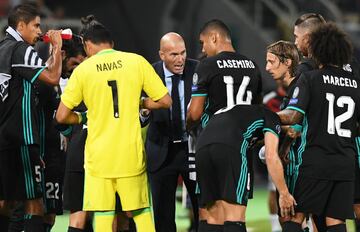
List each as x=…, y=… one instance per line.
x=105, y=51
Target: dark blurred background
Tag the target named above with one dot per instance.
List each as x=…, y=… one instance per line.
x=137, y=25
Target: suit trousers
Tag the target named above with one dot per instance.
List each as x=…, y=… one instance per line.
x=163, y=187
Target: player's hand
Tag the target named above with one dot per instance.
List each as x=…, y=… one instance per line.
x=55, y=38
x=145, y=112
x=287, y=204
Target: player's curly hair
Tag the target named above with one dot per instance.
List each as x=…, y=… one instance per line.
x=73, y=47
x=285, y=50
x=329, y=45
x=92, y=30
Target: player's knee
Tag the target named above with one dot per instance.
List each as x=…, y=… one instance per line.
x=6, y=207
x=34, y=207
x=129, y=214
x=291, y=226
x=337, y=228
x=357, y=211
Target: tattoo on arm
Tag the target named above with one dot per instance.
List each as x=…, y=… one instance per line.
x=290, y=117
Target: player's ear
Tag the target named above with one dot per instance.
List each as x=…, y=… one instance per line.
x=20, y=26
x=213, y=37
x=288, y=62
x=162, y=55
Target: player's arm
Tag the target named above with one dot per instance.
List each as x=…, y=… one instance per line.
x=195, y=110
x=275, y=168
x=51, y=75
x=65, y=115
x=163, y=103
x=290, y=117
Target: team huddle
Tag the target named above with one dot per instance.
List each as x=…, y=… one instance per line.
x=89, y=101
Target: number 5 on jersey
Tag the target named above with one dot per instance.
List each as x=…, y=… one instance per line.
x=114, y=90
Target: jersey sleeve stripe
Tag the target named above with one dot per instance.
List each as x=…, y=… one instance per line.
x=27, y=55
x=271, y=131
x=199, y=95
x=33, y=58
x=27, y=66
x=39, y=62
x=37, y=75
x=296, y=109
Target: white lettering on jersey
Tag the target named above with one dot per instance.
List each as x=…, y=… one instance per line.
x=235, y=64
x=339, y=81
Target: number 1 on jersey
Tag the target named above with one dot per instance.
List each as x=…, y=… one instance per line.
x=114, y=91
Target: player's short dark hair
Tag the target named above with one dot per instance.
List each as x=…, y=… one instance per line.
x=24, y=12
x=329, y=45
x=310, y=20
x=73, y=47
x=285, y=50
x=216, y=25
x=92, y=30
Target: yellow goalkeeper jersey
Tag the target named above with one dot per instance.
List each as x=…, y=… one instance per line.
x=110, y=84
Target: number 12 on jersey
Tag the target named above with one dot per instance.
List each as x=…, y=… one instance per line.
x=334, y=123
x=115, y=97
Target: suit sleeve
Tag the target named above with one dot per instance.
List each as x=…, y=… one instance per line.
x=26, y=63
x=301, y=95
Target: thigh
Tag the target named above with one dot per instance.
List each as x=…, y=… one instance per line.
x=312, y=195
x=73, y=191
x=133, y=192
x=357, y=185
x=216, y=163
x=340, y=204
x=99, y=193
x=21, y=173
x=164, y=182
x=53, y=187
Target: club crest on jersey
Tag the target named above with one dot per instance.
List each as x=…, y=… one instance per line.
x=195, y=79
x=278, y=129
x=347, y=67
x=296, y=92
x=293, y=101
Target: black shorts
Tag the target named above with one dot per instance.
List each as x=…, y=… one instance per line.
x=223, y=173
x=325, y=197
x=73, y=191
x=53, y=186
x=20, y=173
x=357, y=184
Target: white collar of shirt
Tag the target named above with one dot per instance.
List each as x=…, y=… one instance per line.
x=167, y=72
x=14, y=34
